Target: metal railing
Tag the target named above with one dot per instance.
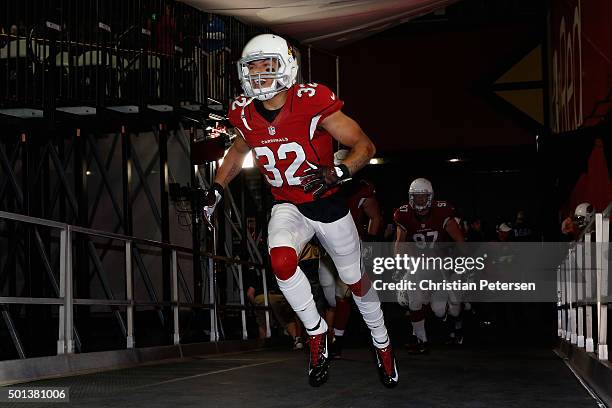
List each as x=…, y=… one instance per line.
x=583, y=288
x=67, y=301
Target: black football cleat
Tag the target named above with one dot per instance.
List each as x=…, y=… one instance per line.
x=335, y=350
x=417, y=346
x=318, y=364
x=455, y=338
x=387, y=368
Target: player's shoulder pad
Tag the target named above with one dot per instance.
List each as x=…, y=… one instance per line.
x=400, y=217
x=444, y=209
x=315, y=98
x=443, y=205
x=236, y=110
x=401, y=214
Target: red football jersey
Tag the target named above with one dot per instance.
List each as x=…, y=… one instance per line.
x=284, y=148
x=357, y=194
x=431, y=228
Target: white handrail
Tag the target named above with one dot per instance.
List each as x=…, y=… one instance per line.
x=66, y=301
x=577, y=280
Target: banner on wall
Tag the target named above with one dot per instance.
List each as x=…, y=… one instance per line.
x=581, y=60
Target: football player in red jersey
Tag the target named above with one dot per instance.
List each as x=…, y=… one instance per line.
x=290, y=129
x=365, y=210
x=426, y=221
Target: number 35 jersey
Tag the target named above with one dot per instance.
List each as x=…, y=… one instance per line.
x=285, y=147
x=430, y=228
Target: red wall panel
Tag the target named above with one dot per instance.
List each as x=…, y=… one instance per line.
x=425, y=90
x=581, y=59
x=581, y=75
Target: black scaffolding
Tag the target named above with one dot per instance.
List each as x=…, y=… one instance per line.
x=93, y=95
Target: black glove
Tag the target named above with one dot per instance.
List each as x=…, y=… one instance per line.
x=320, y=179
x=210, y=199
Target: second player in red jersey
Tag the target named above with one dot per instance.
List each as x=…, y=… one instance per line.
x=430, y=227
x=425, y=221
x=365, y=209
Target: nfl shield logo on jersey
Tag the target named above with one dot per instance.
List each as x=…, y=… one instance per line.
x=272, y=130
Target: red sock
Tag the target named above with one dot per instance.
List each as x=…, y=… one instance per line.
x=343, y=312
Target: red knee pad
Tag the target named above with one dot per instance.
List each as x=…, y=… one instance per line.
x=361, y=287
x=284, y=262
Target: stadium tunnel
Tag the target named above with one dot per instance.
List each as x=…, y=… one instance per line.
x=113, y=120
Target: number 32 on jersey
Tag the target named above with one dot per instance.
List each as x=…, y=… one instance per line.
x=273, y=168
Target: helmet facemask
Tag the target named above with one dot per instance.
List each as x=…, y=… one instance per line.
x=583, y=215
x=420, y=201
x=580, y=221
x=262, y=75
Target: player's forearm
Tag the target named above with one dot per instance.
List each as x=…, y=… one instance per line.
x=231, y=167
x=372, y=210
x=400, y=238
x=360, y=155
x=452, y=228
x=375, y=226
x=396, y=246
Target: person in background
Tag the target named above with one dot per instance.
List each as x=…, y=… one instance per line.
x=425, y=222
x=281, y=310
x=165, y=31
x=573, y=226
x=504, y=232
x=522, y=230
x=309, y=261
x=475, y=232
x=3, y=37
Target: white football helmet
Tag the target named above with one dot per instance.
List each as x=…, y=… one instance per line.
x=503, y=227
x=282, y=70
x=420, y=187
x=339, y=156
x=583, y=214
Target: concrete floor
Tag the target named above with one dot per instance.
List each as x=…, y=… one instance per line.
x=467, y=377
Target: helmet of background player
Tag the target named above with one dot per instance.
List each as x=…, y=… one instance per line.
x=583, y=214
x=268, y=65
x=339, y=156
x=420, y=195
x=503, y=231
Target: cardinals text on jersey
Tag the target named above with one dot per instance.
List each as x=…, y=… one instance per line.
x=284, y=148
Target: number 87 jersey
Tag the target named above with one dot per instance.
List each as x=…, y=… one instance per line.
x=284, y=148
x=427, y=229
